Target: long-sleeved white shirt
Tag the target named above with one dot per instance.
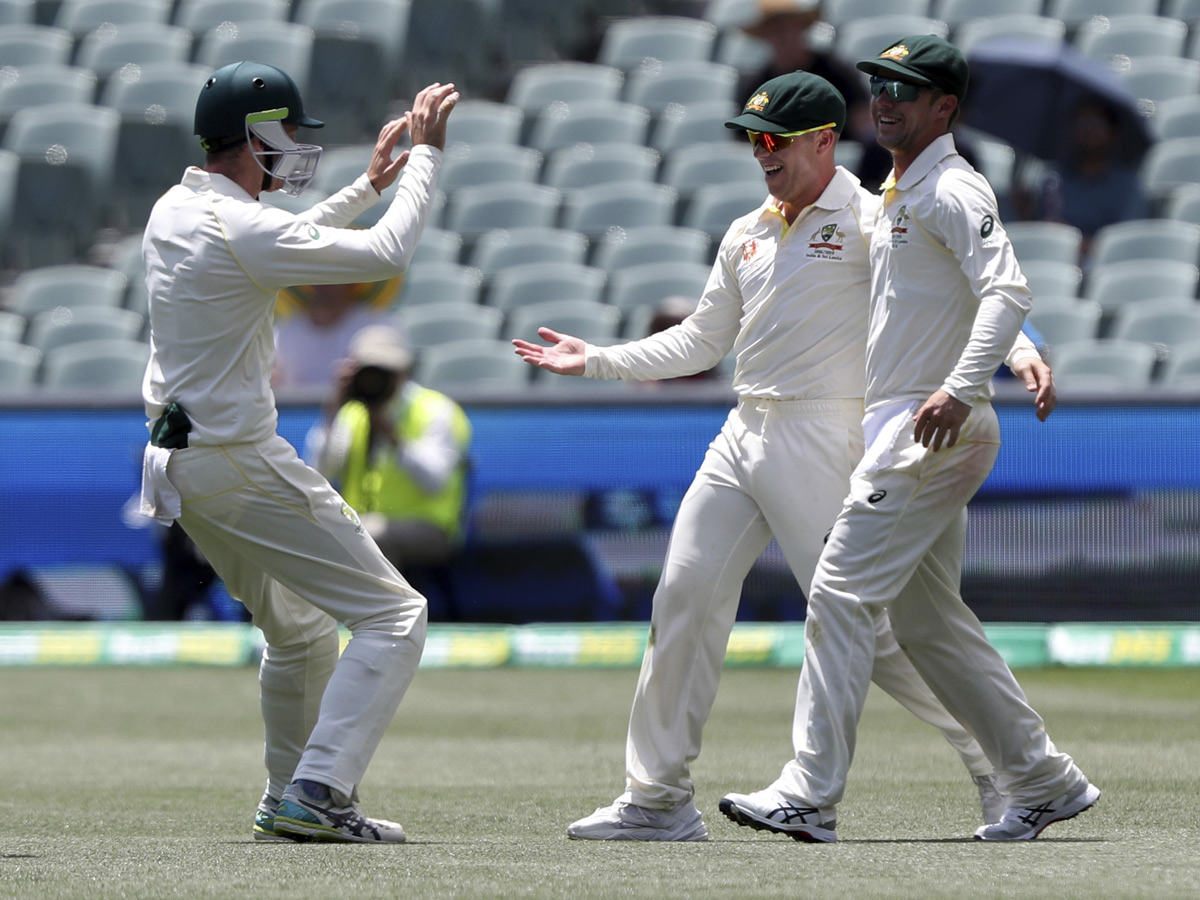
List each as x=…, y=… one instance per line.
x=216, y=257
x=790, y=301
x=947, y=297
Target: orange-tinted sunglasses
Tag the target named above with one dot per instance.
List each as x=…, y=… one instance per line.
x=773, y=142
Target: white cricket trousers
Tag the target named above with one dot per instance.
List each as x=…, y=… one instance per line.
x=291, y=550
x=776, y=468
x=898, y=543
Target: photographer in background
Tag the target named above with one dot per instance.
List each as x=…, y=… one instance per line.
x=396, y=451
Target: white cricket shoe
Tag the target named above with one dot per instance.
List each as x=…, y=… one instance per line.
x=991, y=802
x=1026, y=823
x=623, y=821
x=770, y=810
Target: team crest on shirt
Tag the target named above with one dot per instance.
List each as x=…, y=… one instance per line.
x=900, y=225
x=749, y=250
x=826, y=242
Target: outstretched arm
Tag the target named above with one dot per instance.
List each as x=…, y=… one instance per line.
x=564, y=355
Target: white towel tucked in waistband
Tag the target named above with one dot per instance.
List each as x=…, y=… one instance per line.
x=160, y=500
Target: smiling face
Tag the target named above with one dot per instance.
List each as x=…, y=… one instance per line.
x=797, y=174
x=906, y=127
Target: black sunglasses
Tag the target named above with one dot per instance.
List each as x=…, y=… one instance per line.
x=899, y=91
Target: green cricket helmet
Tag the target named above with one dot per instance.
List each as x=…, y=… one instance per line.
x=251, y=99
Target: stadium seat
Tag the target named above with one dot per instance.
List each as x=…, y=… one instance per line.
x=438, y=323
x=1130, y=36
x=521, y=285
x=484, y=122
x=112, y=364
x=1045, y=240
x=356, y=54
x=505, y=247
x=39, y=85
x=472, y=165
x=656, y=85
x=18, y=367
x=588, y=121
x=505, y=205
x=713, y=208
x=532, y=31
x=959, y=12
x=1116, y=284
x=1178, y=118
x=1103, y=365
x=693, y=123
x=64, y=180
x=201, y=16
x=57, y=327
x=440, y=283
x=649, y=283
x=1076, y=12
x=12, y=326
x=340, y=166
x=689, y=168
x=438, y=245
x=155, y=143
x=285, y=45
x=1169, y=164
x=621, y=248
x=107, y=50
x=1052, y=278
x=1182, y=203
x=596, y=323
x=841, y=12
x=30, y=45
x=1146, y=239
x=16, y=12
x=535, y=87
x=867, y=38
x=1066, y=324
x=472, y=364
x=126, y=258
x=585, y=165
x=1182, y=365
x=595, y=210
x=46, y=288
x=81, y=16
x=1156, y=79
x=1164, y=324
x=1030, y=26
x=745, y=53
x=628, y=42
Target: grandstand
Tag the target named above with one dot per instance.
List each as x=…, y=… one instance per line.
x=560, y=98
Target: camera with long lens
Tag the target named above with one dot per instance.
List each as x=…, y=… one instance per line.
x=371, y=384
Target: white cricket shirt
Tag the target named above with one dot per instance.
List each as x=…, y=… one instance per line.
x=216, y=257
x=947, y=295
x=789, y=301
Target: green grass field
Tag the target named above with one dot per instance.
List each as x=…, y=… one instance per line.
x=141, y=783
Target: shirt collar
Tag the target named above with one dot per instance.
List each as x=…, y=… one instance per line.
x=925, y=163
x=200, y=180
x=837, y=194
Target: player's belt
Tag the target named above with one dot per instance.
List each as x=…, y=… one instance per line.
x=170, y=430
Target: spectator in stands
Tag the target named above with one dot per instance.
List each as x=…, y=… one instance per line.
x=397, y=451
x=786, y=27
x=1093, y=186
x=315, y=324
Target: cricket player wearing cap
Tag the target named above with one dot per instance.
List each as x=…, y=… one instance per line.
x=788, y=295
x=284, y=542
x=947, y=299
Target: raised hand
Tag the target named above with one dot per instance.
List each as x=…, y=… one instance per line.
x=564, y=355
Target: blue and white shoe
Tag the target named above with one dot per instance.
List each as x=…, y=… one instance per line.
x=301, y=817
x=1026, y=823
x=770, y=810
